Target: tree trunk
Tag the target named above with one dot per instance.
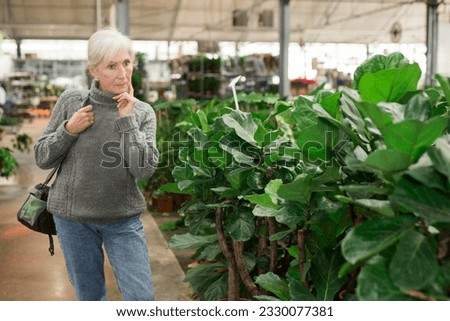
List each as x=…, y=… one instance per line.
x=262, y=242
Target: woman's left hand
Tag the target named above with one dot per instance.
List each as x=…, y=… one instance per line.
x=126, y=102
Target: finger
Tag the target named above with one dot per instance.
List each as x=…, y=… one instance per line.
x=85, y=108
x=120, y=97
x=130, y=88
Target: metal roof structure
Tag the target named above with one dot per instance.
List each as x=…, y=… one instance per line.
x=311, y=21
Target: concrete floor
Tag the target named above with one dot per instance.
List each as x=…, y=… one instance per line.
x=29, y=273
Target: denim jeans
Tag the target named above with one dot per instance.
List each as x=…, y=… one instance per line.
x=126, y=247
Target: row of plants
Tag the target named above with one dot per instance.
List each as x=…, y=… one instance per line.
x=332, y=196
x=201, y=85
x=20, y=142
x=205, y=64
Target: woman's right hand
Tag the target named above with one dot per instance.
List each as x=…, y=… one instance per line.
x=82, y=119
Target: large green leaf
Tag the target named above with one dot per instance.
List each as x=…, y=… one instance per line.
x=217, y=289
x=389, y=85
x=261, y=199
x=218, y=157
x=182, y=173
x=382, y=207
x=388, y=160
x=352, y=116
x=372, y=237
x=428, y=176
x=445, y=85
x=203, y=120
x=175, y=188
x=299, y=190
x=374, y=188
x=315, y=136
x=419, y=107
x=316, y=142
x=199, y=168
x=430, y=204
x=211, y=252
x=380, y=116
x=414, y=263
x=240, y=224
x=198, y=136
x=189, y=241
x=329, y=101
x=269, y=198
x=377, y=63
x=291, y=213
x=374, y=283
x=440, y=156
x=237, y=179
x=280, y=107
x=273, y=283
x=324, y=274
x=242, y=152
x=413, y=137
x=298, y=292
x=329, y=143
x=243, y=124
x=203, y=275
x=264, y=211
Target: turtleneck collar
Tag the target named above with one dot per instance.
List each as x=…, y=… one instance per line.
x=100, y=97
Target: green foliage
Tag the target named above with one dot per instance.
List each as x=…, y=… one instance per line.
x=139, y=76
x=8, y=163
x=10, y=121
x=23, y=142
x=336, y=195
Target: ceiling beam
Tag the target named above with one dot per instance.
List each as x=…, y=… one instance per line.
x=173, y=22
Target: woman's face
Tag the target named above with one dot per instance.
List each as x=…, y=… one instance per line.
x=114, y=76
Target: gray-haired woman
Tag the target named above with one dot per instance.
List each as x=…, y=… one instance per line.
x=104, y=146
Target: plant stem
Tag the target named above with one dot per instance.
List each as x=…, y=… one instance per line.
x=238, y=247
x=262, y=243
x=273, y=245
x=301, y=236
x=233, y=278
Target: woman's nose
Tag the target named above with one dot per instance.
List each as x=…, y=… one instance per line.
x=122, y=71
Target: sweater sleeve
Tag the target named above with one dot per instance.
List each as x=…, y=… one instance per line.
x=138, y=141
x=55, y=141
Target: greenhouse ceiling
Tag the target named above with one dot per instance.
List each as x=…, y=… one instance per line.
x=209, y=21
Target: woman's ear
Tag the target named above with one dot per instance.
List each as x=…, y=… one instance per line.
x=93, y=73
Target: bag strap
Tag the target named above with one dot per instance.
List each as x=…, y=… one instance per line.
x=84, y=101
x=52, y=173
x=51, y=249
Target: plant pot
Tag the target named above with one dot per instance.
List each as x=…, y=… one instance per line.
x=164, y=204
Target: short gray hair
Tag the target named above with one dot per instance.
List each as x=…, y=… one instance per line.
x=104, y=43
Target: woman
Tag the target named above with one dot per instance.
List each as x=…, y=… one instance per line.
x=105, y=141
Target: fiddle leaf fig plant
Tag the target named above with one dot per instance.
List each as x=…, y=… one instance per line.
x=332, y=196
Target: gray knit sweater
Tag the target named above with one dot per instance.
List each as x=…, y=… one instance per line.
x=96, y=182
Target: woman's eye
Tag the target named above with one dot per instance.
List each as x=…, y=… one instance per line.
x=127, y=63
x=111, y=66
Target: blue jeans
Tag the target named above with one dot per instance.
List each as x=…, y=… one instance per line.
x=126, y=247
